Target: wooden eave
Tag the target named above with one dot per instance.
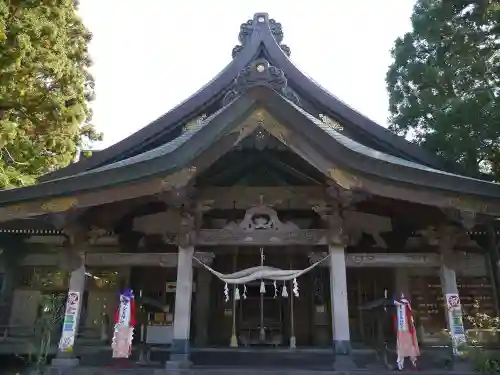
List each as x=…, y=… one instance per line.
x=261, y=43
x=174, y=164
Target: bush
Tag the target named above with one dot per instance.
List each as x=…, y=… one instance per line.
x=483, y=360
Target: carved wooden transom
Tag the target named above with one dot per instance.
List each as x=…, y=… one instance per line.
x=262, y=218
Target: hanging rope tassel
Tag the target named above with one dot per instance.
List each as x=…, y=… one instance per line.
x=237, y=294
x=275, y=289
x=295, y=288
x=284, y=292
x=244, y=292
x=226, y=293
x=262, y=287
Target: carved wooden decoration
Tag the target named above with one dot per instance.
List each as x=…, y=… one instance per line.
x=178, y=179
x=59, y=204
x=261, y=218
x=261, y=226
x=346, y=226
x=447, y=237
x=334, y=124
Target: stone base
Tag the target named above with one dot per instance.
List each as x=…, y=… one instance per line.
x=62, y=366
x=181, y=346
x=178, y=364
x=343, y=359
x=234, y=342
x=177, y=361
x=179, y=357
x=342, y=347
x=344, y=362
x=65, y=362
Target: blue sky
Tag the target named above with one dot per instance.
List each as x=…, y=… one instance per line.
x=150, y=55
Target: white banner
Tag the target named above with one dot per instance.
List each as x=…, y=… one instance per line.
x=455, y=321
x=70, y=322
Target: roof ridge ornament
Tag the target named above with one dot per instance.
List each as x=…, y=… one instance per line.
x=260, y=73
x=260, y=20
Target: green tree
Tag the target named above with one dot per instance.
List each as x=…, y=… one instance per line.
x=444, y=82
x=45, y=88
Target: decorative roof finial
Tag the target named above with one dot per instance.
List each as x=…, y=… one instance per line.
x=260, y=72
x=260, y=20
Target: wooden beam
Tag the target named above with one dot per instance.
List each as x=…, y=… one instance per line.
x=167, y=260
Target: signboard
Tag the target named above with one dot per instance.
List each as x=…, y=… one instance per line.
x=455, y=320
x=70, y=322
x=171, y=287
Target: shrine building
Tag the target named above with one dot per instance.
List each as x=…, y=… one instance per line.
x=261, y=169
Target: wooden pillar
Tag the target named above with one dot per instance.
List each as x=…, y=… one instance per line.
x=179, y=356
x=493, y=264
x=65, y=354
x=202, y=304
x=338, y=295
x=181, y=346
x=338, y=291
x=453, y=307
x=72, y=259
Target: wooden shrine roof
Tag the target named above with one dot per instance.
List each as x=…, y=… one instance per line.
x=259, y=37
x=262, y=105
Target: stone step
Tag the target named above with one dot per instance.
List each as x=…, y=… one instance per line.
x=276, y=360
x=264, y=359
x=242, y=371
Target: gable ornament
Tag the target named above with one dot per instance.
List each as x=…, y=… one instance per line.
x=248, y=28
x=260, y=73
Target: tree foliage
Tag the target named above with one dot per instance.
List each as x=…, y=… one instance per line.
x=444, y=82
x=45, y=88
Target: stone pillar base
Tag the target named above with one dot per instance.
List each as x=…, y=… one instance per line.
x=293, y=342
x=172, y=371
x=233, y=343
x=177, y=364
x=63, y=365
x=343, y=359
x=65, y=362
x=342, y=347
